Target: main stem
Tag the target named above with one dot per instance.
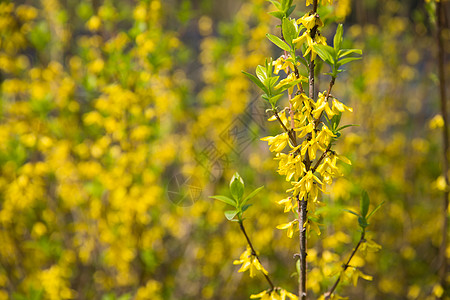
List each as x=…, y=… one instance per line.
x=303, y=203
x=443, y=98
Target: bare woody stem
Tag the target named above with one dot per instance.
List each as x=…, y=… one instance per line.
x=440, y=11
x=344, y=267
x=303, y=203
x=241, y=225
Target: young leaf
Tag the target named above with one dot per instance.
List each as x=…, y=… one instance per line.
x=289, y=30
x=230, y=214
x=326, y=53
x=351, y=211
x=252, y=194
x=261, y=73
x=277, y=41
x=346, y=52
x=224, y=199
x=237, y=187
x=364, y=203
x=277, y=14
x=277, y=4
x=346, y=126
x=256, y=81
x=347, y=60
x=244, y=208
x=338, y=37
x=375, y=209
x=290, y=10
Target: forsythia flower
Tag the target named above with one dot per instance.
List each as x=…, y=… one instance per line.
x=369, y=246
x=277, y=143
x=305, y=185
x=291, y=227
x=275, y=294
x=288, y=204
x=322, y=105
x=340, y=107
x=249, y=261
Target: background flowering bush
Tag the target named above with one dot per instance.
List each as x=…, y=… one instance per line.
x=119, y=119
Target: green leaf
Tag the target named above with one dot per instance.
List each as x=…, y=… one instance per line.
x=326, y=53
x=375, y=209
x=277, y=41
x=289, y=30
x=290, y=10
x=352, y=212
x=346, y=126
x=256, y=81
x=252, y=194
x=261, y=73
x=346, y=52
x=277, y=14
x=237, y=187
x=338, y=37
x=230, y=214
x=224, y=199
x=364, y=204
x=277, y=4
x=347, y=60
x=244, y=208
x=273, y=100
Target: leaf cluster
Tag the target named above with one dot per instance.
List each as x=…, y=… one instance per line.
x=238, y=201
x=335, y=56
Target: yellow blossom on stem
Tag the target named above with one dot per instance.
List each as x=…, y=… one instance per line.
x=305, y=185
x=288, y=204
x=277, y=143
x=340, y=107
x=291, y=227
x=250, y=262
x=322, y=105
x=275, y=294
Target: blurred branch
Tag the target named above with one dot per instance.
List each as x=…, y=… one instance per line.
x=440, y=11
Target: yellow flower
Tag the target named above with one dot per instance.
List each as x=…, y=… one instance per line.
x=322, y=105
x=290, y=165
x=249, y=262
x=288, y=204
x=282, y=64
x=310, y=20
x=436, y=122
x=324, y=137
x=291, y=227
x=340, y=107
x=277, y=143
x=275, y=294
x=318, y=39
x=305, y=185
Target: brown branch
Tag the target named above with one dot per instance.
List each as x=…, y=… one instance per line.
x=241, y=224
x=321, y=158
x=302, y=216
x=344, y=267
x=443, y=99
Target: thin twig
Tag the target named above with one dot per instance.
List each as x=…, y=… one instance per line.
x=241, y=224
x=344, y=267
